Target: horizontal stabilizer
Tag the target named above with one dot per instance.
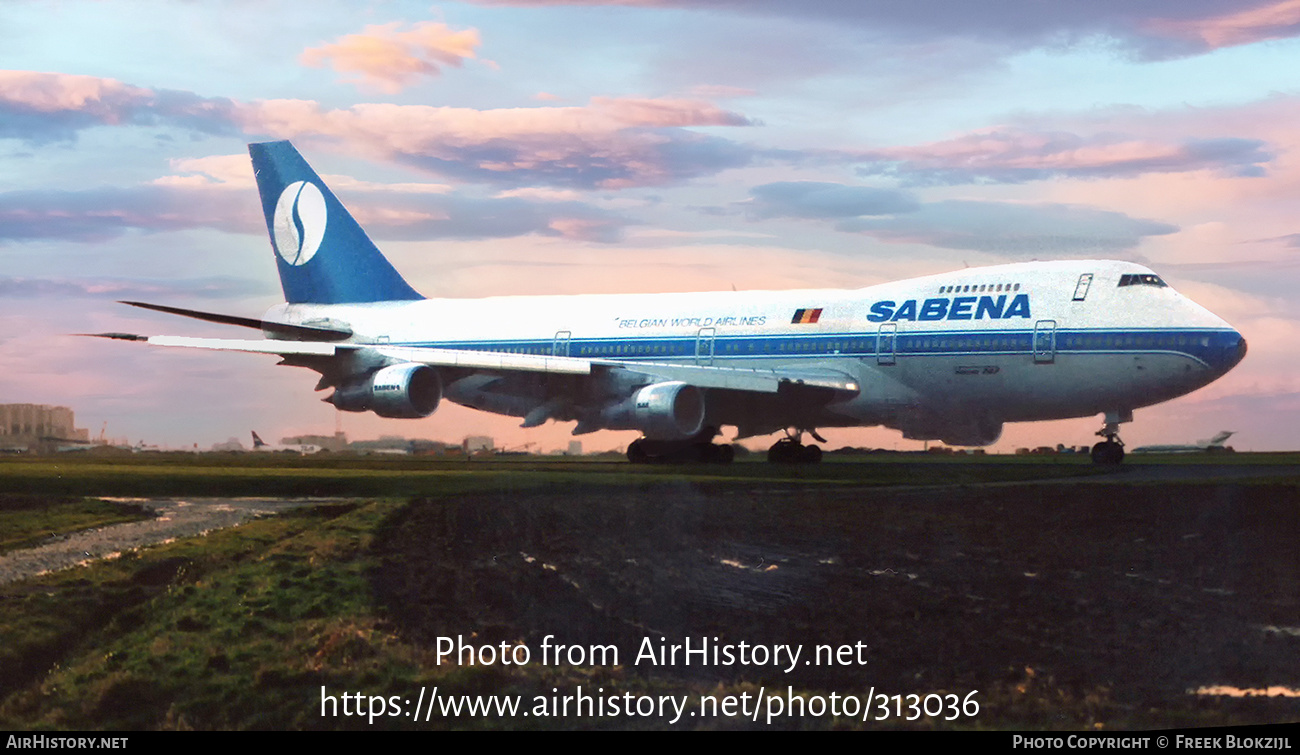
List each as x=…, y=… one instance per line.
x=254, y=346
x=287, y=330
x=117, y=336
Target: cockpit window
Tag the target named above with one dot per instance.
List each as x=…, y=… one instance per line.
x=1141, y=279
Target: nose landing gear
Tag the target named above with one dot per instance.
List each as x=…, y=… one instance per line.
x=1111, y=450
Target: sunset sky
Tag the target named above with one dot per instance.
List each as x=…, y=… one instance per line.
x=605, y=146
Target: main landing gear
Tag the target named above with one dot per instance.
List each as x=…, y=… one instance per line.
x=701, y=448
x=1111, y=450
x=791, y=450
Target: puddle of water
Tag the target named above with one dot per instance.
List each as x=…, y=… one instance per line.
x=1226, y=691
x=1288, y=631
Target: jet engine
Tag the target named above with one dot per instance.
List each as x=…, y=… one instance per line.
x=955, y=431
x=402, y=391
x=662, y=411
x=977, y=433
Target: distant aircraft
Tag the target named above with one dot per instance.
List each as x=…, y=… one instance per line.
x=948, y=357
x=301, y=448
x=1208, y=445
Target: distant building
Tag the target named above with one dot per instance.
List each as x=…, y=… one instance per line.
x=575, y=448
x=38, y=427
x=477, y=444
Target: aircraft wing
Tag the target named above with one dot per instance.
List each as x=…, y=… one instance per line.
x=703, y=376
x=739, y=378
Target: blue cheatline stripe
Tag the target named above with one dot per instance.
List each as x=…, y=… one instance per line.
x=1206, y=346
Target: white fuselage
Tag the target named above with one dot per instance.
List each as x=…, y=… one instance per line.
x=1029, y=341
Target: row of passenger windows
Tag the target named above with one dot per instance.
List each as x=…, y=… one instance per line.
x=632, y=349
x=858, y=346
x=1164, y=341
x=979, y=288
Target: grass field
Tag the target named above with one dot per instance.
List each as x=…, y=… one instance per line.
x=321, y=475
x=1064, y=607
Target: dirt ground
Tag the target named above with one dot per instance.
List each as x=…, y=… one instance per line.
x=1065, y=604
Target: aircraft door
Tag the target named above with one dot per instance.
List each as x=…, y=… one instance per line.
x=1045, y=342
x=887, y=343
x=704, y=346
x=1081, y=288
x=560, y=346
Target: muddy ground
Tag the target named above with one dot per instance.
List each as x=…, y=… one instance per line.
x=1113, y=603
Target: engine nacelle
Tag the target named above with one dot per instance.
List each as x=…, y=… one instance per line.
x=957, y=431
x=663, y=411
x=402, y=391
x=982, y=433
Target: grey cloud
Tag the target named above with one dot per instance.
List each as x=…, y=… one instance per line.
x=1148, y=28
x=633, y=142
x=1012, y=156
x=1022, y=230
x=818, y=200
x=1018, y=230
x=393, y=216
x=40, y=108
x=638, y=157
x=131, y=288
x=100, y=214
x=104, y=213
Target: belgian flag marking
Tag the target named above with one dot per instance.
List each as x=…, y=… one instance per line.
x=806, y=316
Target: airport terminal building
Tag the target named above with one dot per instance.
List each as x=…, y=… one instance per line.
x=25, y=427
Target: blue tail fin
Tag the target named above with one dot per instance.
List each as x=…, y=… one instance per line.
x=323, y=255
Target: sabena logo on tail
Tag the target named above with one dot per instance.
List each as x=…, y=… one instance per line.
x=299, y=226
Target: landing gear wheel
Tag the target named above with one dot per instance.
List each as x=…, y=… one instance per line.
x=1111, y=451
x=791, y=451
x=1107, y=452
x=784, y=451
x=645, y=451
x=716, y=454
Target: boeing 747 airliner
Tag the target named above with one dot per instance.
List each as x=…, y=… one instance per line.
x=950, y=357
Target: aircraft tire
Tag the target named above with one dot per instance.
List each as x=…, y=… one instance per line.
x=717, y=454
x=788, y=451
x=1107, y=452
x=636, y=453
x=784, y=451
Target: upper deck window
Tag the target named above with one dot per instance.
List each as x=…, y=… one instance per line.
x=1140, y=279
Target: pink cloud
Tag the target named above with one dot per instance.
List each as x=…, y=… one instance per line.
x=389, y=59
x=610, y=142
x=1014, y=155
x=1154, y=29
x=55, y=92
x=1276, y=20
x=43, y=107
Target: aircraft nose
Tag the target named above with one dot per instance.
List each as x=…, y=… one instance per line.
x=1234, y=351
